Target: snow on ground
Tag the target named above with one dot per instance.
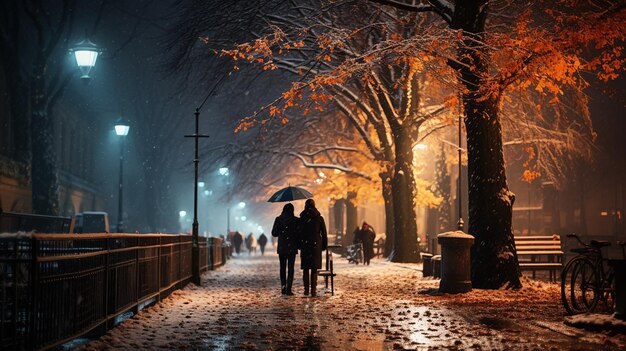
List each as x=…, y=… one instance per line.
x=383, y=306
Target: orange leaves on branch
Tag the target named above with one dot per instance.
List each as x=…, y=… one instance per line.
x=274, y=111
x=530, y=175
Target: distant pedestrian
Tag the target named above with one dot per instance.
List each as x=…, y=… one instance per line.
x=251, y=243
x=367, y=236
x=237, y=241
x=313, y=240
x=354, y=252
x=262, y=242
x=285, y=229
x=356, y=236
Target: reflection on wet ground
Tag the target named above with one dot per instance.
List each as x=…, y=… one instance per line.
x=380, y=307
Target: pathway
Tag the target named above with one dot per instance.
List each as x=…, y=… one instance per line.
x=381, y=307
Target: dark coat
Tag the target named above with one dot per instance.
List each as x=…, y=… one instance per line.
x=313, y=239
x=367, y=238
x=285, y=228
x=262, y=240
x=237, y=241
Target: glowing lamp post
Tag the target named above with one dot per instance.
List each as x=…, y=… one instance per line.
x=121, y=129
x=86, y=54
x=224, y=171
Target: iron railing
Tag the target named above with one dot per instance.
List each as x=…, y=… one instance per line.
x=55, y=287
x=218, y=252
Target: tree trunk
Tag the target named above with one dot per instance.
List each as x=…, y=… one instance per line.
x=351, y=219
x=45, y=183
x=444, y=190
x=406, y=248
x=494, y=258
x=389, y=225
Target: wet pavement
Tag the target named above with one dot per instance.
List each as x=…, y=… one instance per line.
x=384, y=306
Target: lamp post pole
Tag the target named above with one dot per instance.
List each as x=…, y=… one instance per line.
x=195, y=245
x=121, y=129
x=225, y=172
x=120, y=211
x=228, y=220
x=195, y=241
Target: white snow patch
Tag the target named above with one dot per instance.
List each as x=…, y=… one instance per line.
x=18, y=235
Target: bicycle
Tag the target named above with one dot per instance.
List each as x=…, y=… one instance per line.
x=587, y=279
x=354, y=253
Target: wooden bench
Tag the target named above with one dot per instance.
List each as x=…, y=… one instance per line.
x=379, y=247
x=329, y=272
x=540, y=253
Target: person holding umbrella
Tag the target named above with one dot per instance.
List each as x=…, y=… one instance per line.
x=285, y=228
x=313, y=240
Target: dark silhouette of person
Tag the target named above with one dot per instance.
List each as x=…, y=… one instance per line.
x=367, y=235
x=356, y=252
x=313, y=240
x=237, y=241
x=262, y=242
x=285, y=229
x=250, y=243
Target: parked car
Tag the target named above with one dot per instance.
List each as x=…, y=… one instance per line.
x=90, y=222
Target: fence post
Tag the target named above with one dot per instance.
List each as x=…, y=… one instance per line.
x=137, y=280
x=106, y=284
x=159, y=268
x=32, y=340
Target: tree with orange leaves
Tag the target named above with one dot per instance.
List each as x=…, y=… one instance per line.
x=480, y=56
x=535, y=46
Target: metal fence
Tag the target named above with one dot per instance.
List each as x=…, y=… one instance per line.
x=55, y=287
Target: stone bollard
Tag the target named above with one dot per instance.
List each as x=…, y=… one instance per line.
x=427, y=266
x=619, y=267
x=455, y=262
x=436, y=266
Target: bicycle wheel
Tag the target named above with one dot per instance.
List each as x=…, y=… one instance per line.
x=580, y=286
x=606, y=302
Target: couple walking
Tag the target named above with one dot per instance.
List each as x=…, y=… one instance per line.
x=307, y=234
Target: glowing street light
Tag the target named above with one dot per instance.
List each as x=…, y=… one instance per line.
x=182, y=213
x=86, y=54
x=241, y=204
x=121, y=129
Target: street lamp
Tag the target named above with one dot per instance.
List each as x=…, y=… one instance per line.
x=121, y=129
x=195, y=242
x=224, y=171
x=86, y=53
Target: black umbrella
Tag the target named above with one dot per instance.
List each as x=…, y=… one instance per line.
x=290, y=193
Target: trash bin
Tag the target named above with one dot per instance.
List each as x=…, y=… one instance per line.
x=427, y=266
x=455, y=262
x=619, y=267
x=436, y=266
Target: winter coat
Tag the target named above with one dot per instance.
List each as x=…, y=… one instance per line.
x=313, y=239
x=262, y=240
x=251, y=242
x=237, y=240
x=285, y=229
x=367, y=237
x=356, y=236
